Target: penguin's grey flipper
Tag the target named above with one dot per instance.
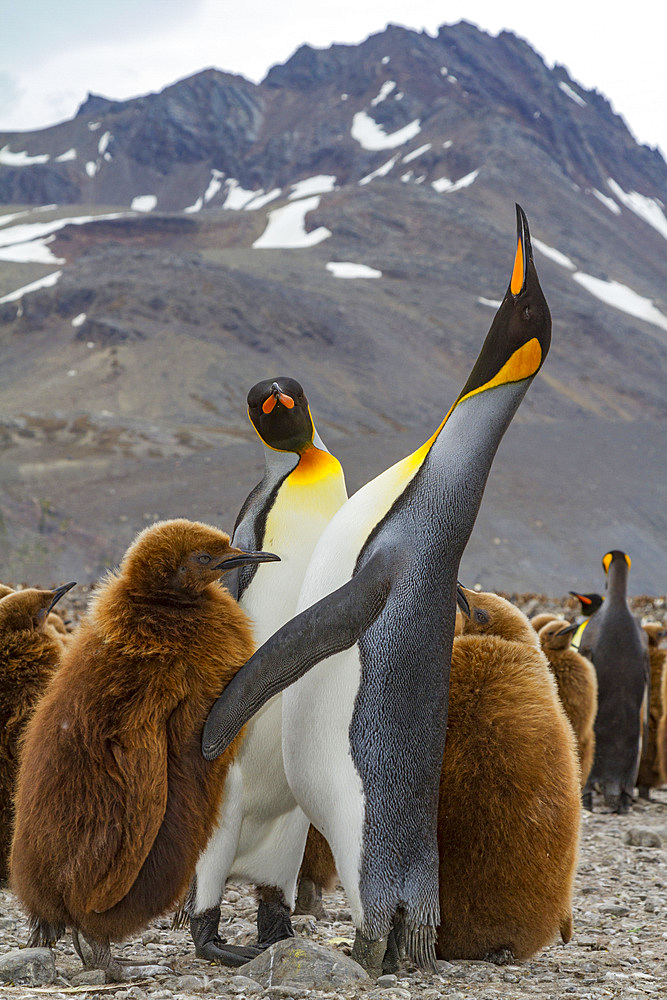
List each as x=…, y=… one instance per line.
x=329, y=626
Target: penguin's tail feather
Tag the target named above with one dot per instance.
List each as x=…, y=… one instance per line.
x=419, y=944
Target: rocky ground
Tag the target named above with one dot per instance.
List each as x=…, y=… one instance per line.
x=619, y=947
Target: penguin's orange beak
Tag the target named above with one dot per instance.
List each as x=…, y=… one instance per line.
x=277, y=396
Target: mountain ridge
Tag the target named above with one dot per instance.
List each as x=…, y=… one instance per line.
x=183, y=245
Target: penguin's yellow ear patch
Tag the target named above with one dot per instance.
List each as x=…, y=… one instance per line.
x=516, y=283
x=628, y=560
x=606, y=562
x=268, y=404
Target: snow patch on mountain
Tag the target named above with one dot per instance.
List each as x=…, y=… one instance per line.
x=286, y=228
x=21, y=159
x=621, y=297
x=444, y=184
x=371, y=136
x=46, y=282
x=646, y=208
x=347, y=269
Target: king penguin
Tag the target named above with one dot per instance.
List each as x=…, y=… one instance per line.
x=376, y=624
x=618, y=649
x=590, y=603
x=261, y=830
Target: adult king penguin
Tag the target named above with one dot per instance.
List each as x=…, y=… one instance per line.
x=261, y=830
x=364, y=729
x=618, y=647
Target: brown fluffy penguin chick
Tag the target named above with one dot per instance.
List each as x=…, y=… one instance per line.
x=29, y=655
x=317, y=874
x=539, y=621
x=577, y=685
x=509, y=809
x=54, y=626
x=653, y=761
x=114, y=799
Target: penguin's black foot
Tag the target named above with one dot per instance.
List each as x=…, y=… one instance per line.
x=500, y=956
x=97, y=955
x=624, y=803
x=273, y=916
x=370, y=954
x=587, y=801
x=395, y=951
x=644, y=792
x=309, y=900
x=210, y=946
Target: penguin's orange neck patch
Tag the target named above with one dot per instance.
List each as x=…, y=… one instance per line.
x=314, y=464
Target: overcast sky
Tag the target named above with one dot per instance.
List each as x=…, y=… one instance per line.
x=52, y=52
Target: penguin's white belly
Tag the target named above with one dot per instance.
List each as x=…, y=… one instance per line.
x=316, y=752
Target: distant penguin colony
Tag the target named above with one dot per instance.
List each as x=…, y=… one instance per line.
x=29, y=655
x=111, y=766
x=618, y=648
x=261, y=831
x=650, y=772
x=577, y=685
x=509, y=809
x=376, y=625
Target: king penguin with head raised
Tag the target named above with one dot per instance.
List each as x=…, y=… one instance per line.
x=261, y=830
x=364, y=727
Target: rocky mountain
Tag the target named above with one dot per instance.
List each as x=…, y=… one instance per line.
x=348, y=221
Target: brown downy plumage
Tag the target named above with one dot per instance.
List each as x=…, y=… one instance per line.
x=54, y=626
x=29, y=655
x=317, y=874
x=653, y=762
x=508, y=820
x=114, y=798
x=577, y=685
x=539, y=621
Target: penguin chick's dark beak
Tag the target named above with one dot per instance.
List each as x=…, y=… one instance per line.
x=568, y=628
x=277, y=396
x=245, y=559
x=462, y=601
x=524, y=253
x=60, y=592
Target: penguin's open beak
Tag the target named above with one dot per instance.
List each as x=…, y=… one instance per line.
x=524, y=253
x=238, y=558
x=277, y=396
x=57, y=594
x=462, y=600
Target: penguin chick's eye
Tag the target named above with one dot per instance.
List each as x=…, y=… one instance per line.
x=481, y=617
x=203, y=559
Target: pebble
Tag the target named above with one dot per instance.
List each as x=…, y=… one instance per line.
x=638, y=837
x=242, y=984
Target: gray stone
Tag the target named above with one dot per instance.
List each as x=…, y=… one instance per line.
x=89, y=977
x=638, y=837
x=32, y=966
x=615, y=909
x=389, y=980
x=243, y=984
x=304, y=964
x=186, y=983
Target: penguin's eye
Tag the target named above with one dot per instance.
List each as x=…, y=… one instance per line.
x=481, y=617
x=203, y=559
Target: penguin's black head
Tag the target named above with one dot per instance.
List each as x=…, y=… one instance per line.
x=279, y=412
x=590, y=603
x=520, y=334
x=616, y=556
